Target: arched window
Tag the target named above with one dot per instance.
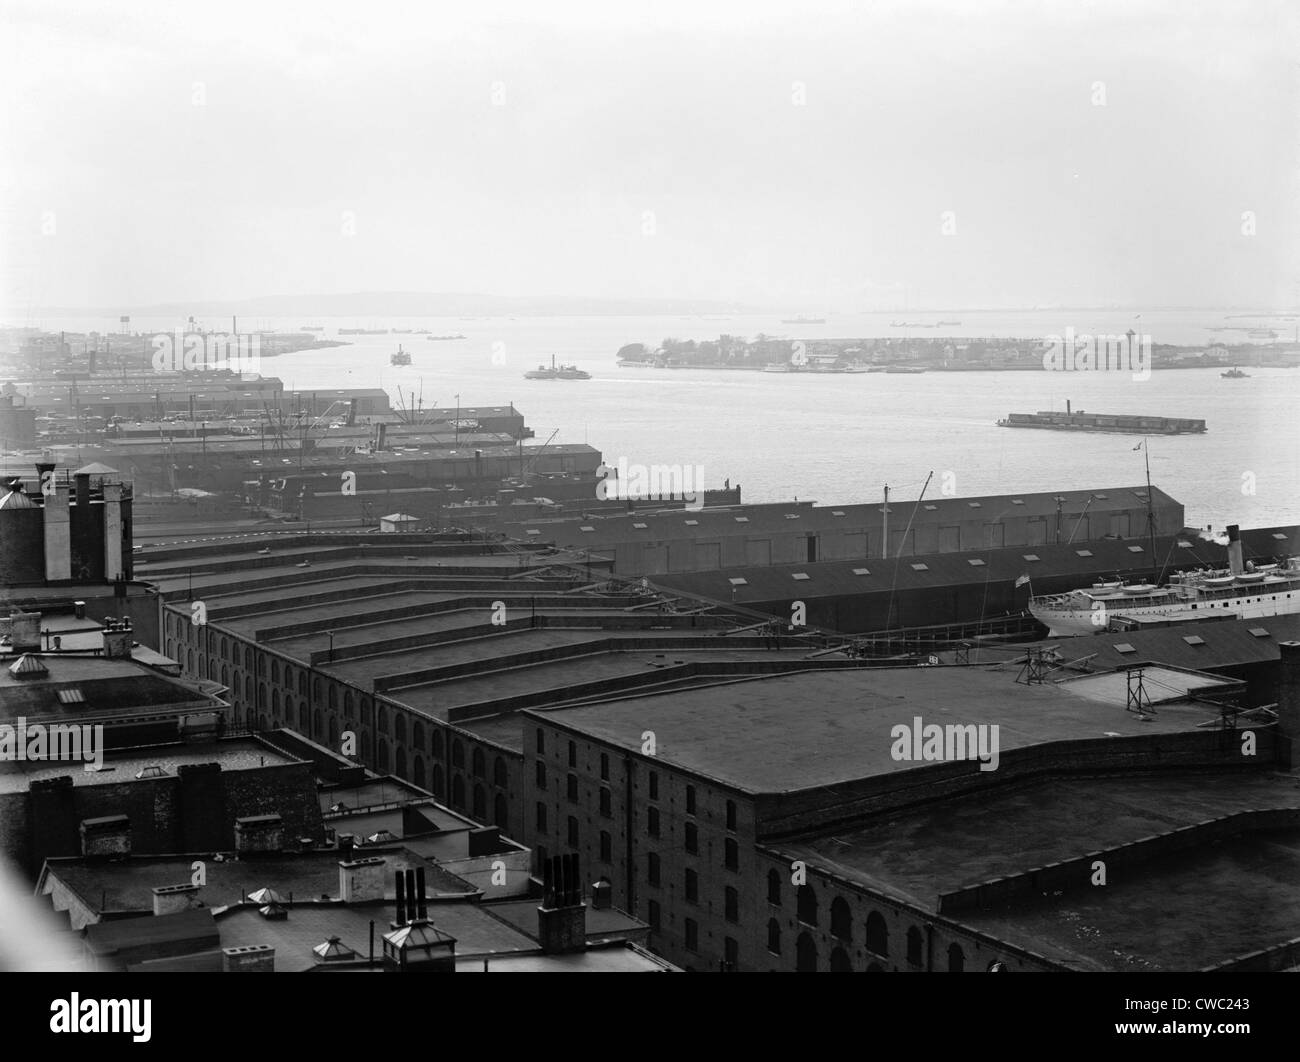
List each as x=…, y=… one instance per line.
x=480, y=764
x=457, y=791
x=288, y=678
x=571, y=784
x=248, y=659
x=417, y=775
x=347, y=705
x=399, y=728
x=399, y=761
x=499, y=776
x=304, y=718
x=807, y=905
x=841, y=919
x=302, y=684
x=956, y=959
x=316, y=734
x=805, y=954
x=774, y=887
x=774, y=936
x=248, y=689
x=501, y=812
x=840, y=962
x=877, y=934
x=275, y=671
x=479, y=810
x=457, y=753
x=365, y=707
x=334, y=697
x=225, y=677
x=914, y=945
x=381, y=759
x=316, y=690
x=417, y=734
x=435, y=743
x=435, y=785
x=333, y=732
x=189, y=661
x=731, y=904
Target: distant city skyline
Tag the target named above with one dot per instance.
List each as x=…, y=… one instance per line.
x=1114, y=153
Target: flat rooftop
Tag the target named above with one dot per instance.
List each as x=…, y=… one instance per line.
x=126, y=885
x=793, y=732
x=921, y=852
x=239, y=754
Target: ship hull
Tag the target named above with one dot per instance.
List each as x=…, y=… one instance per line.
x=1072, y=622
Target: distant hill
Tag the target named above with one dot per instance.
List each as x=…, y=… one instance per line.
x=422, y=304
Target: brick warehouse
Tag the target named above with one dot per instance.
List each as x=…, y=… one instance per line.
x=750, y=780
x=447, y=694
x=394, y=640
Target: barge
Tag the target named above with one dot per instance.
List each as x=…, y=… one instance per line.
x=1122, y=423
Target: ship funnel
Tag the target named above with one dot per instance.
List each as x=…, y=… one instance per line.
x=1234, y=550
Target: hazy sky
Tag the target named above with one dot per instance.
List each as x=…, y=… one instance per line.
x=796, y=153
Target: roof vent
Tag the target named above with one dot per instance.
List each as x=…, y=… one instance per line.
x=334, y=950
x=28, y=666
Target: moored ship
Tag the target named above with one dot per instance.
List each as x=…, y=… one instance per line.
x=1235, y=374
x=402, y=357
x=1246, y=591
x=561, y=372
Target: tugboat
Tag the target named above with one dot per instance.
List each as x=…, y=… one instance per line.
x=562, y=372
x=1235, y=374
x=402, y=357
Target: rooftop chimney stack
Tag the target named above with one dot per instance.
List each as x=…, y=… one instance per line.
x=250, y=958
x=361, y=880
x=169, y=899
x=25, y=631
x=562, y=917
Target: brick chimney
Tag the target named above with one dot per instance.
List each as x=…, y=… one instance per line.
x=250, y=958
x=25, y=631
x=1288, y=704
x=562, y=917
x=361, y=880
x=169, y=899
x=259, y=834
x=106, y=836
x=118, y=638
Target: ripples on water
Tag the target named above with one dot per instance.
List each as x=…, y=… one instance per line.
x=841, y=438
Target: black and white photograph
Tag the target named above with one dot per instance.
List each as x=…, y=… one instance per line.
x=410, y=561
